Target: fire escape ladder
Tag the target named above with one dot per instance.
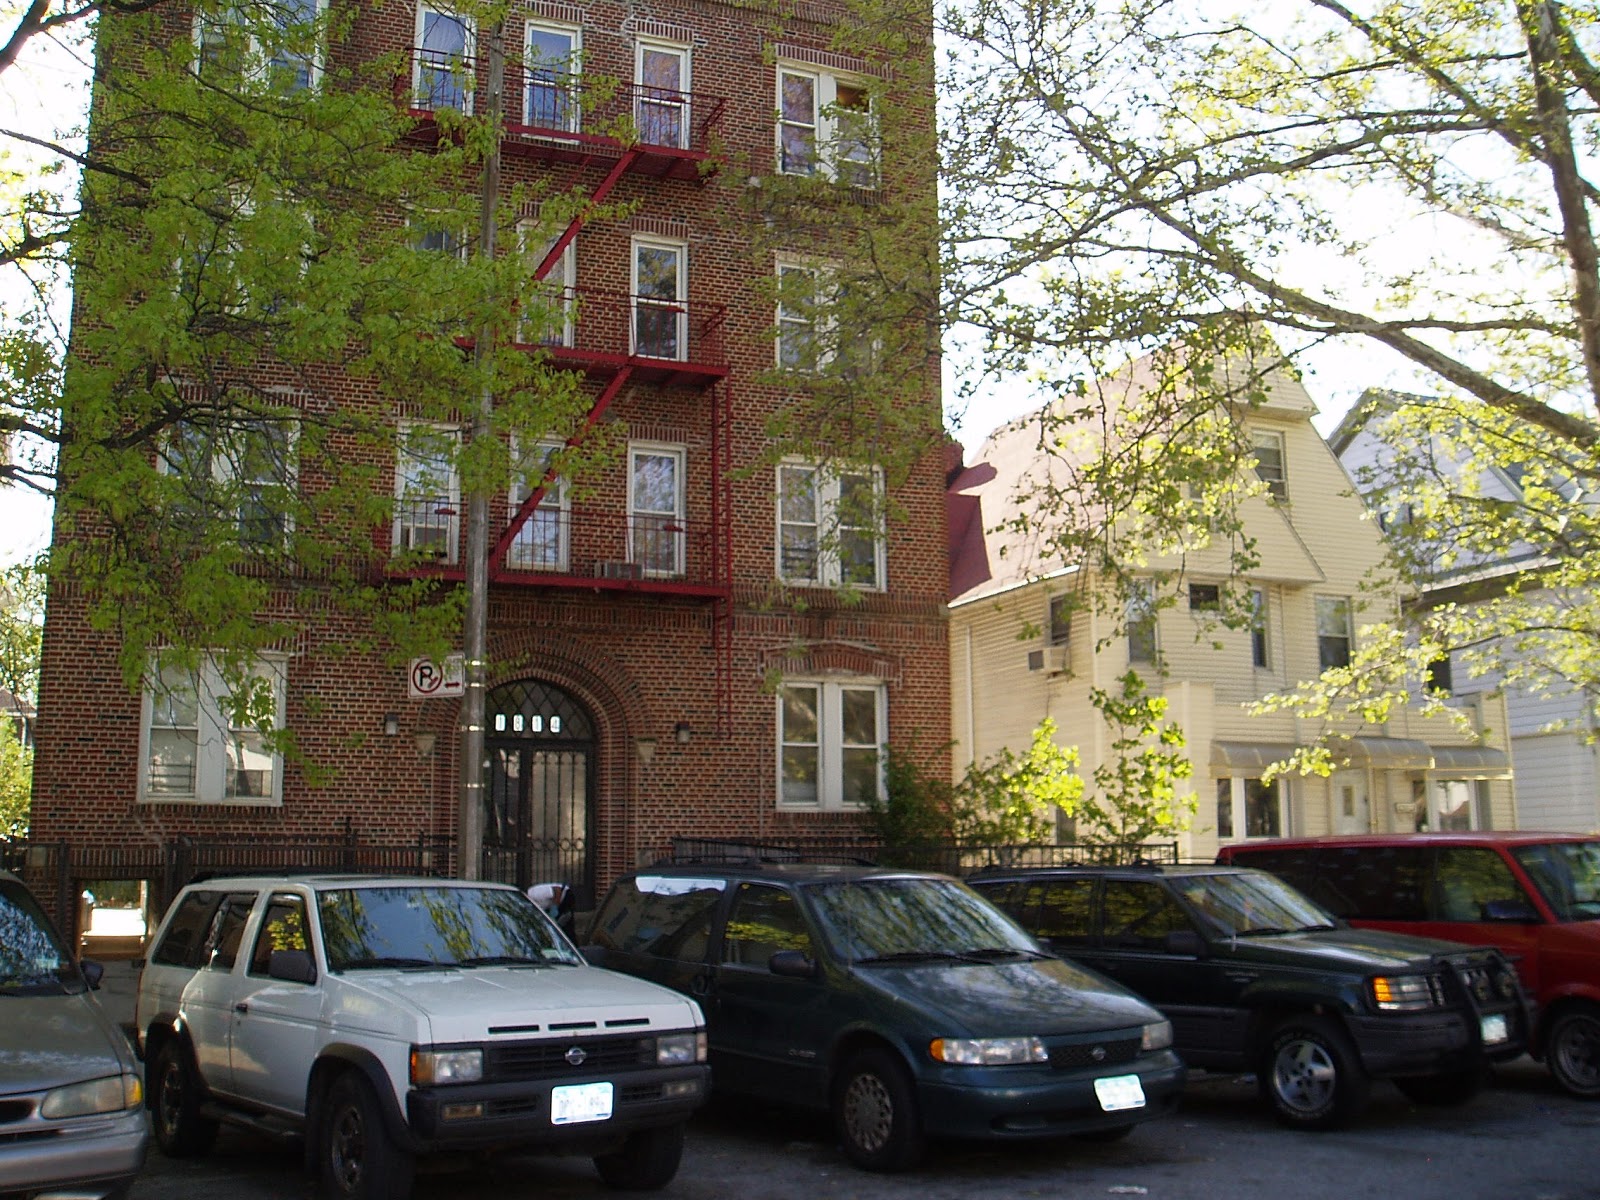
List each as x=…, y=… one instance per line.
x=601, y=191
x=722, y=552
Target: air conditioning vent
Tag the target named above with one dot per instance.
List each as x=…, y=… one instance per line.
x=618, y=570
x=1052, y=660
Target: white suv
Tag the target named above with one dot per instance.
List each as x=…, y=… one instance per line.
x=385, y=1018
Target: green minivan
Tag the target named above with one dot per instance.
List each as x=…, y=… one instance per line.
x=900, y=1001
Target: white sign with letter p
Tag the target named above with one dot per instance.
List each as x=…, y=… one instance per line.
x=429, y=680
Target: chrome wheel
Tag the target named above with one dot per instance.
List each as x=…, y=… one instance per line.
x=868, y=1112
x=1304, y=1075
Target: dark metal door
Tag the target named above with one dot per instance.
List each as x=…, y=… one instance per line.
x=540, y=796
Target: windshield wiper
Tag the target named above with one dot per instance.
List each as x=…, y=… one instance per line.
x=1262, y=929
x=502, y=960
x=920, y=956
x=1315, y=928
x=413, y=964
x=989, y=953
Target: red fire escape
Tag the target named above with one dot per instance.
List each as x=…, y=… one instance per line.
x=613, y=339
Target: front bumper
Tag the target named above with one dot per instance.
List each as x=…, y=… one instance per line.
x=490, y=1115
x=1036, y=1102
x=1434, y=1042
x=90, y=1156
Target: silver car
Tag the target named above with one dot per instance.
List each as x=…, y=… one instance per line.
x=72, y=1118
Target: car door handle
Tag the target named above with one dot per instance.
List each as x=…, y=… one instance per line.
x=241, y=1007
x=1242, y=976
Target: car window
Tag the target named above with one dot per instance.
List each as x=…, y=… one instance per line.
x=1140, y=914
x=186, y=932
x=30, y=955
x=283, y=928
x=1066, y=910
x=1467, y=878
x=1568, y=874
x=897, y=918
x=662, y=915
x=1241, y=903
x=423, y=927
x=1378, y=883
x=227, y=930
x=763, y=921
x=1009, y=896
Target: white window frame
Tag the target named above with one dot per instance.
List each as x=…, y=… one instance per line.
x=1276, y=479
x=680, y=302
x=572, y=90
x=462, y=73
x=1141, y=611
x=563, y=276
x=1325, y=604
x=674, y=519
x=829, y=745
x=682, y=104
x=825, y=125
x=258, y=63
x=1058, y=613
x=214, y=737
x=417, y=229
x=827, y=484
x=1236, y=786
x=555, y=504
x=223, y=463
x=803, y=323
x=1259, y=629
x=403, y=530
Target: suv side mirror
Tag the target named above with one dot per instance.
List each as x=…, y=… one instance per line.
x=792, y=964
x=1517, y=911
x=92, y=972
x=292, y=966
x=1186, y=943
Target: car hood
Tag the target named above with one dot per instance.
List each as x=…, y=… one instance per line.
x=1043, y=998
x=48, y=1041
x=471, y=1004
x=1357, y=950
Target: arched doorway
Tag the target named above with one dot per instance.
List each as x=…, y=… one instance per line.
x=540, y=798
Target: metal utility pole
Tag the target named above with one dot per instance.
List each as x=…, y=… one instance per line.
x=469, y=820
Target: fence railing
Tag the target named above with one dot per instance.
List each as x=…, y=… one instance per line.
x=951, y=857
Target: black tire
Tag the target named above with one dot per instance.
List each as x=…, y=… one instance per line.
x=1445, y=1089
x=175, y=1097
x=646, y=1161
x=875, y=1113
x=1106, y=1136
x=357, y=1159
x=1572, y=1050
x=1311, y=1074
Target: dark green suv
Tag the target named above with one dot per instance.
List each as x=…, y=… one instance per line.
x=901, y=1001
x=1256, y=977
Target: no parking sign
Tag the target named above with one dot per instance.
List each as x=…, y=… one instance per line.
x=429, y=680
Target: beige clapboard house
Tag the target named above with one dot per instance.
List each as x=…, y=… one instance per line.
x=1020, y=653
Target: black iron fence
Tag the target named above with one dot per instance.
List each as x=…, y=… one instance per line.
x=950, y=857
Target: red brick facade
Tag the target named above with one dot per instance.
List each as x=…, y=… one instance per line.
x=641, y=661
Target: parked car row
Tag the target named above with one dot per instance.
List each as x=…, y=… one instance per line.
x=379, y=1020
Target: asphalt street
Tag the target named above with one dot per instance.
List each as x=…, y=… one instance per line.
x=1520, y=1138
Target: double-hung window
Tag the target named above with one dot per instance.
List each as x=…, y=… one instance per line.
x=797, y=317
x=660, y=295
x=427, y=493
x=547, y=319
x=1058, y=620
x=826, y=126
x=655, y=509
x=1249, y=808
x=1271, y=466
x=661, y=105
x=242, y=472
x=200, y=745
x=830, y=526
x=830, y=741
x=551, y=60
x=441, y=73
x=279, y=45
x=1334, y=638
x=1141, y=622
x=1259, y=656
x=541, y=544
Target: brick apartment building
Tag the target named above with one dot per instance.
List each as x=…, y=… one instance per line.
x=671, y=655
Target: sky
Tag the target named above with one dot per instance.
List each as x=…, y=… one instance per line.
x=49, y=85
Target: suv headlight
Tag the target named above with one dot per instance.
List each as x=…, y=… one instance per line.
x=1403, y=993
x=430, y=1067
x=111, y=1094
x=989, y=1052
x=1156, y=1036
x=681, y=1049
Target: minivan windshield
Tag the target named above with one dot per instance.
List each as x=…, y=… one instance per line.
x=1568, y=876
x=911, y=920
x=1237, y=904
x=426, y=928
x=30, y=956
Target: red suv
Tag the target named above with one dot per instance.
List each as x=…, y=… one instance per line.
x=1534, y=895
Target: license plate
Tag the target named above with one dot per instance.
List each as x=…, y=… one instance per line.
x=1494, y=1029
x=1117, y=1092
x=578, y=1102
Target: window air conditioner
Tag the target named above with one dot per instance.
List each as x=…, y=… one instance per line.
x=1052, y=660
x=618, y=570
